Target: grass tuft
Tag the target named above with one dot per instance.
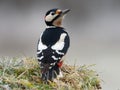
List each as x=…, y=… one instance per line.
x=24, y=74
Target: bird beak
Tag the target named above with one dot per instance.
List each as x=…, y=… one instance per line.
x=64, y=12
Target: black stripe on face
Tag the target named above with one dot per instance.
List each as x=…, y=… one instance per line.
x=53, y=11
x=51, y=23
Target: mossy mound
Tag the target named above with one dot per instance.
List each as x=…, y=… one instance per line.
x=24, y=74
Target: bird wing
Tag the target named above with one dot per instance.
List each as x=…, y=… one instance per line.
x=61, y=46
x=40, y=48
x=51, y=54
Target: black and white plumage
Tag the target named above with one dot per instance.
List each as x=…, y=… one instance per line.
x=53, y=44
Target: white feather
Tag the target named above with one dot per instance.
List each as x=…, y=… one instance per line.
x=50, y=17
x=52, y=64
x=59, y=52
x=54, y=58
x=40, y=57
x=38, y=52
x=60, y=75
x=41, y=46
x=60, y=44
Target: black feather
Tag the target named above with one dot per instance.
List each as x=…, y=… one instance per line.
x=49, y=67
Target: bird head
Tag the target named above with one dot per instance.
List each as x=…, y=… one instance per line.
x=54, y=17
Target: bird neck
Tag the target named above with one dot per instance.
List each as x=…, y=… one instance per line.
x=60, y=26
x=58, y=22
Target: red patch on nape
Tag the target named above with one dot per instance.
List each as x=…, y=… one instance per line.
x=60, y=63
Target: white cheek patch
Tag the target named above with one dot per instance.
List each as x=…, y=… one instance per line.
x=50, y=17
x=60, y=44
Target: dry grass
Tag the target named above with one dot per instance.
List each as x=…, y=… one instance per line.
x=24, y=74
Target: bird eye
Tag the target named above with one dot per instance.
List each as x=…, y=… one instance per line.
x=52, y=13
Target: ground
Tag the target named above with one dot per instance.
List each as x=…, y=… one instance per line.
x=24, y=74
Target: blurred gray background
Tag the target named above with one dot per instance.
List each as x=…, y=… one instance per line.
x=93, y=25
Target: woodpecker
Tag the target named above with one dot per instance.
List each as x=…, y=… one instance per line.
x=52, y=45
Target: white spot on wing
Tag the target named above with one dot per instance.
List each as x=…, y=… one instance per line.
x=52, y=64
x=39, y=52
x=41, y=46
x=59, y=58
x=50, y=67
x=40, y=57
x=59, y=52
x=54, y=58
x=60, y=44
